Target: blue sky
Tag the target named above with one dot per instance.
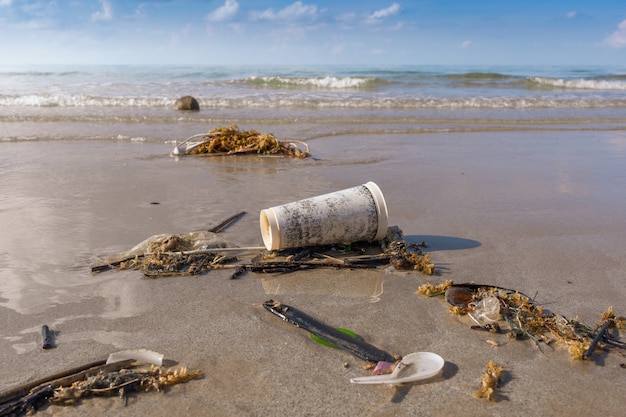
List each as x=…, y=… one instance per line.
x=232, y=32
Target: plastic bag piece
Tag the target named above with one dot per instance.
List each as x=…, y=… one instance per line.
x=486, y=311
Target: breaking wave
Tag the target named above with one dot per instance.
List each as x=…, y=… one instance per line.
x=52, y=100
x=321, y=101
x=331, y=83
x=578, y=84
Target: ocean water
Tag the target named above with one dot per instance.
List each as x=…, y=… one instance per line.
x=137, y=102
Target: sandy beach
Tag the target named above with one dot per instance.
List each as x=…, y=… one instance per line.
x=538, y=211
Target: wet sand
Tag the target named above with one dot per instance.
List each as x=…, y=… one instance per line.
x=540, y=212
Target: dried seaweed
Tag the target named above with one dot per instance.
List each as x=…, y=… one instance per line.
x=432, y=290
x=181, y=254
x=154, y=378
x=94, y=379
x=232, y=140
x=489, y=382
x=169, y=264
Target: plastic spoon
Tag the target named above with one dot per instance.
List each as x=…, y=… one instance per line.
x=414, y=367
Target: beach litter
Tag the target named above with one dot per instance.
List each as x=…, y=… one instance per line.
x=47, y=337
x=198, y=252
x=351, y=215
x=388, y=369
x=165, y=256
x=343, y=229
x=180, y=254
x=505, y=311
x=354, y=345
x=122, y=373
x=416, y=366
x=393, y=251
x=234, y=141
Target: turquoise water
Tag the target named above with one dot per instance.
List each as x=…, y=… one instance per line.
x=354, y=99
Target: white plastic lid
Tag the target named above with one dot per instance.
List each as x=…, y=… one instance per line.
x=381, y=209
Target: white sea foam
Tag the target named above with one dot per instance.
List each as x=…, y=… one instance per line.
x=321, y=101
x=327, y=82
x=64, y=100
x=580, y=84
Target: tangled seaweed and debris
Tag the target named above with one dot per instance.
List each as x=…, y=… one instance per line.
x=183, y=255
x=501, y=310
x=94, y=379
x=232, y=140
x=124, y=381
x=171, y=255
x=392, y=251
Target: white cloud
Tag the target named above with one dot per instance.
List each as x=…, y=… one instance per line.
x=295, y=11
x=571, y=15
x=383, y=13
x=617, y=38
x=5, y=3
x=225, y=12
x=105, y=14
x=465, y=44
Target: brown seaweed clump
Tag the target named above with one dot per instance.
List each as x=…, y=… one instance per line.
x=433, y=290
x=155, y=265
x=489, y=382
x=232, y=140
x=405, y=256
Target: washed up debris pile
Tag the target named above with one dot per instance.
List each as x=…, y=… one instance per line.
x=392, y=251
x=171, y=255
x=154, y=378
x=200, y=252
x=501, y=310
x=176, y=264
x=232, y=140
x=136, y=371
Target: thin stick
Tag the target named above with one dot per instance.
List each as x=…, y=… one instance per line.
x=193, y=137
x=596, y=339
x=216, y=250
x=339, y=261
x=223, y=225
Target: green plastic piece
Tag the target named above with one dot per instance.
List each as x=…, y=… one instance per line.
x=329, y=344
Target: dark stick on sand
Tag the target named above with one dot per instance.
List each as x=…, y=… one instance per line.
x=48, y=337
x=223, y=225
x=596, y=339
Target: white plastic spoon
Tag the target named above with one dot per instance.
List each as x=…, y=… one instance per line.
x=414, y=367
